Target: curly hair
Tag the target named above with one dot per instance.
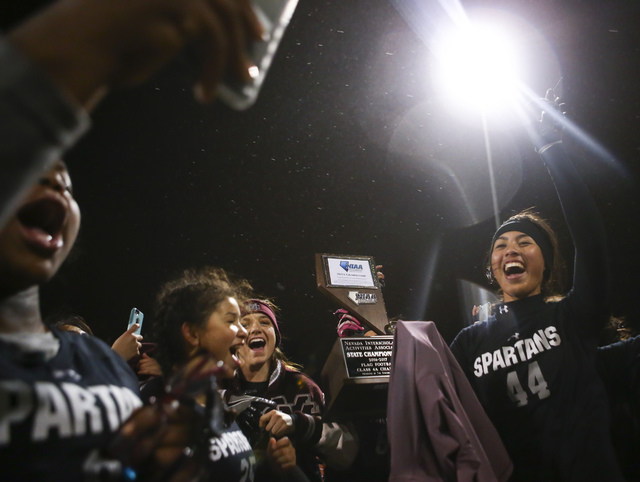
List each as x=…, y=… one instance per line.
x=190, y=298
x=553, y=276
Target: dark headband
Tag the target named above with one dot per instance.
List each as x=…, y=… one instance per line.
x=536, y=233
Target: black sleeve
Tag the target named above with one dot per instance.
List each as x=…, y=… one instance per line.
x=590, y=295
x=619, y=368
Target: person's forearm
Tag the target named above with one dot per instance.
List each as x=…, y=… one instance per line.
x=591, y=270
x=37, y=124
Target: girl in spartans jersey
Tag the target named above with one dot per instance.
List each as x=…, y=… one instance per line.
x=62, y=395
x=199, y=311
x=532, y=364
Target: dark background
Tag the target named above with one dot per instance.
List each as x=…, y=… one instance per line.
x=348, y=150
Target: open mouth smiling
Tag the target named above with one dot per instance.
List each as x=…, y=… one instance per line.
x=513, y=268
x=257, y=343
x=42, y=221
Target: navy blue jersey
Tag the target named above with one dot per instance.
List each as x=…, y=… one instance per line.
x=231, y=457
x=54, y=414
x=619, y=368
x=535, y=377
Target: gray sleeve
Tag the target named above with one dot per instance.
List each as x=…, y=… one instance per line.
x=38, y=123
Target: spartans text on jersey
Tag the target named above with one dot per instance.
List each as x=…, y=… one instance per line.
x=66, y=409
x=521, y=351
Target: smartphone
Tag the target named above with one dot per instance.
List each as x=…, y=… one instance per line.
x=274, y=16
x=136, y=316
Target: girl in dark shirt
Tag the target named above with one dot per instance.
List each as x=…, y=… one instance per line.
x=63, y=395
x=197, y=312
x=532, y=364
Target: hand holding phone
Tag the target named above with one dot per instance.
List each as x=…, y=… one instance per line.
x=129, y=343
x=136, y=316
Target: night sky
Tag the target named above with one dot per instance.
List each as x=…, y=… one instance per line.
x=349, y=150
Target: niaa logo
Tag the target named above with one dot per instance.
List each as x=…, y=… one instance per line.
x=345, y=265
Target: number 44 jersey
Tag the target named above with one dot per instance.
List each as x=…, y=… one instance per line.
x=533, y=371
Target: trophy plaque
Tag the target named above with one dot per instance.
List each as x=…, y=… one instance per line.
x=352, y=283
x=356, y=374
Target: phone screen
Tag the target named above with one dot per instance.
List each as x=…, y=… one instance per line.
x=136, y=316
x=274, y=15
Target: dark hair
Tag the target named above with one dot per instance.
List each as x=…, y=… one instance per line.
x=63, y=319
x=553, y=276
x=190, y=298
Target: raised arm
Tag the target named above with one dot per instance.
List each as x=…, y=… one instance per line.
x=591, y=291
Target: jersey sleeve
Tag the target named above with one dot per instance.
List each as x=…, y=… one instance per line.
x=308, y=418
x=619, y=368
x=590, y=295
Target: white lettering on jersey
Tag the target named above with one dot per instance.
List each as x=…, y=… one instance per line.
x=522, y=350
x=247, y=465
x=542, y=343
x=228, y=444
x=66, y=410
x=552, y=335
x=498, y=362
x=83, y=409
x=531, y=348
x=126, y=400
x=510, y=357
x=104, y=394
x=51, y=412
x=16, y=402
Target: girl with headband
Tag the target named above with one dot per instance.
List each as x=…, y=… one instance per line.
x=266, y=373
x=199, y=312
x=532, y=363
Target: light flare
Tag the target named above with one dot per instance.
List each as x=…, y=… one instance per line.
x=478, y=67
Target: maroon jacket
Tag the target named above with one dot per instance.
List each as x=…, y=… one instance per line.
x=437, y=427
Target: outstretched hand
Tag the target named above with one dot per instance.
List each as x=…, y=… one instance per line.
x=550, y=124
